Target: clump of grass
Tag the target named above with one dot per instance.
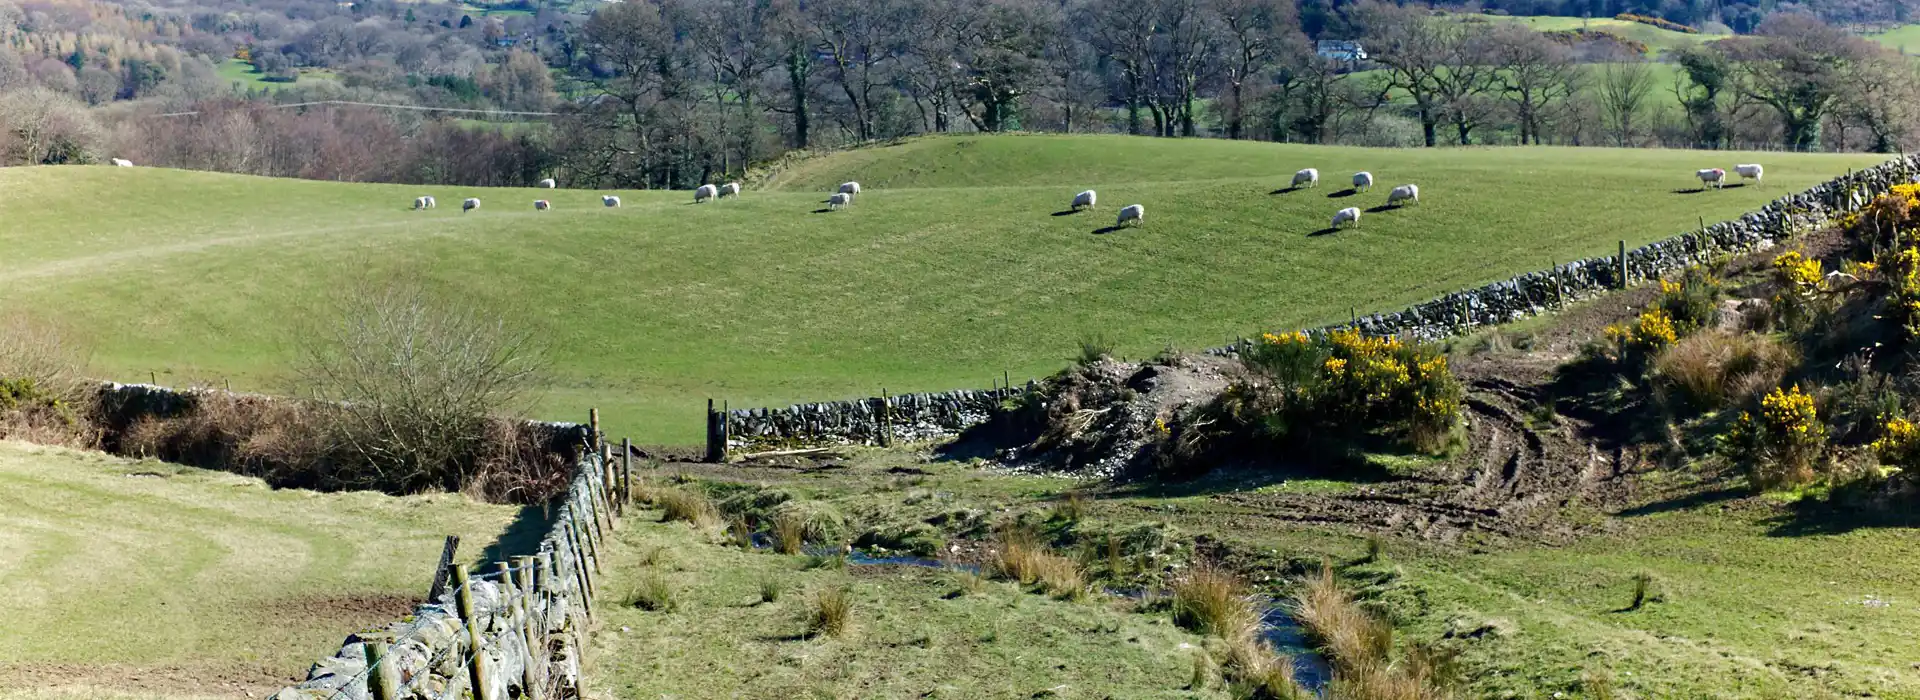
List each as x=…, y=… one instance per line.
x=1360, y=646
x=1202, y=671
x=827, y=561
x=830, y=612
x=967, y=581
x=1597, y=683
x=653, y=593
x=1715, y=369
x=770, y=589
x=1061, y=577
x=740, y=532
x=1641, y=582
x=689, y=506
x=1094, y=348
x=1019, y=556
x=1069, y=509
x=789, y=533
x=1212, y=600
x=656, y=556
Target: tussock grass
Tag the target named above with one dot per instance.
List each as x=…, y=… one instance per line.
x=1715, y=369
x=1021, y=557
x=1360, y=646
x=789, y=533
x=687, y=506
x=739, y=532
x=652, y=592
x=770, y=589
x=1212, y=600
x=830, y=612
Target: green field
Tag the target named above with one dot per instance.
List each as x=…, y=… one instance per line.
x=951, y=268
x=150, y=580
x=1657, y=40
x=1904, y=38
x=234, y=70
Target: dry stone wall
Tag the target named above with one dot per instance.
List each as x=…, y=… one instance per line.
x=930, y=415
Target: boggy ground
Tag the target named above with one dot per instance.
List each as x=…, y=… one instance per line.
x=1519, y=551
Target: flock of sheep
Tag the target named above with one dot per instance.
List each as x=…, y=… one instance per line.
x=1717, y=178
x=1136, y=214
x=704, y=193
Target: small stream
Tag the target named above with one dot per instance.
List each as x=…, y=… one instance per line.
x=1276, y=626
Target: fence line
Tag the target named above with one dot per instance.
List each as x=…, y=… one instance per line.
x=517, y=626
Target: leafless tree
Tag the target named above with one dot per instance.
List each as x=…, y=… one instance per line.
x=1623, y=89
x=1413, y=48
x=1256, y=34
x=1533, y=73
x=1797, y=66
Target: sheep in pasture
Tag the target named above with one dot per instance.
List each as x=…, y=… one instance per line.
x=1084, y=199
x=705, y=193
x=431, y=203
x=609, y=200
x=839, y=199
x=469, y=205
x=731, y=189
x=1750, y=171
x=542, y=205
x=122, y=163
x=548, y=183
x=1309, y=177
x=419, y=203
x=1404, y=192
x=1362, y=181
x=850, y=187
x=1711, y=177
x=1134, y=214
x=1349, y=215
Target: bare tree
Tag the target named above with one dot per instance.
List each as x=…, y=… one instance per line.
x=1623, y=89
x=406, y=383
x=859, y=40
x=1879, y=95
x=1005, y=61
x=1116, y=29
x=1413, y=48
x=1532, y=73
x=1256, y=35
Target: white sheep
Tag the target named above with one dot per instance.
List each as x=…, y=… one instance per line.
x=1135, y=214
x=1404, y=192
x=705, y=193
x=469, y=205
x=731, y=189
x=850, y=187
x=542, y=205
x=839, y=199
x=548, y=183
x=609, y=200
x=1363, y=181
x=1348, y=215
x=1084, y=199
x=1309, y=177
x=1711, y=177
x=419, y=203
x=122, y=163
x=431, y=203
x=1750, y=171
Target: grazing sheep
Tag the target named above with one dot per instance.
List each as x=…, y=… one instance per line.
x=471, y=204
x=548, y=183
x=1310, y=177
x=1134, y=213
x=419, y=203
x=705, y=193
x=1711, y=177
x=542, y=205
x=1084, y=199
x=1750, y=171
x=1348, y=215
x=122, y=163
x=1404, y=192
x=431, y=203
x=839, y=199
x=850, y=187
x=609, y=200
x=731, y=189
x=1363, y=181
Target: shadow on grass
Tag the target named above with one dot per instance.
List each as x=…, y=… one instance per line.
x=1814, y=515
x=1687, y=502
x=1696, y=190
x=523, y=535
x=1285, y=190
x=1069, y=212
x=1107, y=230
x=1323, y=232
x=1348, y=192
x=1382, y=209
x=828, y=210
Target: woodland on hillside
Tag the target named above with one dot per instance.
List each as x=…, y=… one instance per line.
x=673, y=93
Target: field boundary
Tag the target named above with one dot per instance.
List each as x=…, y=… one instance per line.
x=921, y=416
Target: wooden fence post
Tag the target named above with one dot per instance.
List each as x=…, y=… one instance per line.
x=626, y=472
x=529, y=661
x=508, y=587
x=477, y=662
x=593, y=425
x=382, y=682
x=463, y=593
x=1623, y=265
x=713, y=432
x=886, y=419
x=440, y=572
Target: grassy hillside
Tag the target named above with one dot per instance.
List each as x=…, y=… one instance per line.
x=952, y=268
x=1904, y=38
x=146, y=579
x=1657, y=39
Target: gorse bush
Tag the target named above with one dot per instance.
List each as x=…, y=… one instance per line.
x=1899, y=444
x=1800, y=282
x=1340, y=383
x=1692, y=302
x=1780, y=446
x=1634, y=344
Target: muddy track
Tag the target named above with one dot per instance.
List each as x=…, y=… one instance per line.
x=1521, y=469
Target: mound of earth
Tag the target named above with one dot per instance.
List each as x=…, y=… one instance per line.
x=1102, y=419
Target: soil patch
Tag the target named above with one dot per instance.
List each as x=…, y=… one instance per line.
x=237, y=680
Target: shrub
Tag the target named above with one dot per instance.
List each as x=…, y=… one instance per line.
x=1800, y=283
x=1656, y=22
x=830, y=612
x=1692, y=302
x=1633, y=345
x=770, y=589
x=1306, y=387
x=1898, y=444
x=1781, y=446
x=1715, y=369
x=42, y=382
x=653, y=592
x=1902, y=271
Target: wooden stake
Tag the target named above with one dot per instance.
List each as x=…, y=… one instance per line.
x=477, y=664
x=1623, y=264
x=463, y=593
x=440, y=572
x=593, y=422
x=626, y=472
x=383, y=683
